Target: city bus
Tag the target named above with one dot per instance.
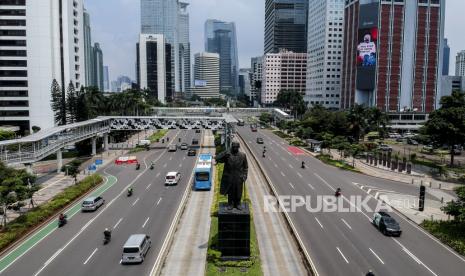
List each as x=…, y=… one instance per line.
x=203, y=172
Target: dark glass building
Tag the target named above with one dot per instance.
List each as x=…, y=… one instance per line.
x=286, y=25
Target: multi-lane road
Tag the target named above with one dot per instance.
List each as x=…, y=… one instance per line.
x=346, y=243
x=77, y=248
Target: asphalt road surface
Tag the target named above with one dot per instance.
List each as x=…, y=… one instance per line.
x=77, y=248
x=346, y=243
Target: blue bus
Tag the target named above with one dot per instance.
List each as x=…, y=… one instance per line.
x=203, y=172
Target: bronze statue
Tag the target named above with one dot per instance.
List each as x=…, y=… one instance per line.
x=234, y=175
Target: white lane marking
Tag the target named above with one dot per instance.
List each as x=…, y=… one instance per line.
x=369, y=191
x=158, y=174
x=135, y=202
x=345, y=222
x=164, y=166
x=283, y=174
x=184, y=158
x=299, y=175
x=49, y=261
x=377, y=194
x=145, y=223
x=171, y=158
x=340, y=252
x=282, y=158
x=180, y=165
x=116, y=225
x=324, y=181
x=159, y=201
x=275, y=165
x=92, y=254
x=290, y=166
x=376, y=255
x=291, y=185
x=311, y=187
x=321, y=225
x=415, y=258
x=148, y=186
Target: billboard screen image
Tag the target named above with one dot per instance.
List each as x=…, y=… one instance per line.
x=366, y=49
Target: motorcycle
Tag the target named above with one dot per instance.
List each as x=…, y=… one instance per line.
x=62, y=221
x=337, y=193
x=303, y=165
x=106, y=239
x=137, y=166
x=129, y=193
x=151, y=167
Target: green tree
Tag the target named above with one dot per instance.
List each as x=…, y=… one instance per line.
x=358, y=121
x=456, y=208
x=58, y=103
x=291, y=100
x=446, y=126
x=72, y=104
x=266, y=118
x=6, y=135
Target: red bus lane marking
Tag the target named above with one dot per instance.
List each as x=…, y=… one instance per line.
x=295, y=150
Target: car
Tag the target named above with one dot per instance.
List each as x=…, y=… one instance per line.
x=428, y=149
x=384, y=147
x=254, y=129
x=191, y=152
x=259, y=140
x=92, y=203
x=195, y=141
x=135, y=249
x=400, y=140
x=172, y=178
x=197, y=131
x=412, y=142
x=183, y=146
x=386, y=224
x=172, y=147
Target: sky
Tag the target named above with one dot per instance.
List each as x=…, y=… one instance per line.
x=116, y=26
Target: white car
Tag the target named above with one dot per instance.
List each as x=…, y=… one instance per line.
x=172, y=178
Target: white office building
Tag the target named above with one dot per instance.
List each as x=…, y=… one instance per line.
x=31, y=57
x=324, y=53
x=206, y=75
x=152, y=65
x=283, y=71
x=460, y=64
x=256, y=78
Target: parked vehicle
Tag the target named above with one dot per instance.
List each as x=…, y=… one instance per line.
x=412, y=142
x=384, y=147
x=386, y=224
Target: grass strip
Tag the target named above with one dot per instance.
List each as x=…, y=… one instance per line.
x=28, y=221
x=451, y=233
x=336, y=163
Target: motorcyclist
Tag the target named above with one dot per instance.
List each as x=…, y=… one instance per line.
x=338, y=192
x=129, y=191
x=264, y=151
x=107, y=233
x=370, y=273
x=303, y=164
x=62, y=217
x=151, y=165
x=137, y=166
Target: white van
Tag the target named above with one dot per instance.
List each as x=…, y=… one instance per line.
x=144, y=143
x=135, y=248
x=172, y=178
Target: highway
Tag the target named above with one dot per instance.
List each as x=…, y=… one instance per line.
x=346, y=243
x=77, y=248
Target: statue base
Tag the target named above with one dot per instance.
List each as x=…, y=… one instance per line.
x=234, y=232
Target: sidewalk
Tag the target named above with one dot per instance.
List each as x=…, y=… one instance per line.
x=57, y=182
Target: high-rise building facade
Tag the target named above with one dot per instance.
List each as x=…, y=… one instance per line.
x=98, y=67
x=324, y=52
x=41, y=41
x=88, y=51
x=184, y=47
x=256, y=74
x=206, y=75
x=283, y=71
x=106, y=79
x=244, y=82
x=154, y=66
x=460, y=64
x=393, y=54
x=220, y=38
x=170, y=18
x=286, y=25
x=446, y=58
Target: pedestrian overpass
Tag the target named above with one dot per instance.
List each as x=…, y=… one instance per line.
x=37, y=146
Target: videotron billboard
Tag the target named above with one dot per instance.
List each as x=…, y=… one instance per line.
x=367, y=47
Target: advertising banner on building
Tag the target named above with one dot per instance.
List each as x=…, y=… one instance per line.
x=367, y=47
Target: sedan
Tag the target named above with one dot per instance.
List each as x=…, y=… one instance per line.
x=259, y=140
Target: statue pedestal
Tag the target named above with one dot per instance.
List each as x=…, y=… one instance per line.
x=234, y=232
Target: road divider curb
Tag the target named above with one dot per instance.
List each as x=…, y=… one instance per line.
x=310, y=266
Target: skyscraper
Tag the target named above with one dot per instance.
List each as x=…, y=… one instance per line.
x=106, y=79
x=446, y=58
x=460, y=64
x=206, y=75
x=170, y=18
x=324, y=53
x=256, y=78
x=98, y=66
x=220, y=38
x=393, y=54
x=88, y=51
x=286, y=25
x=43, y=41
x=154, y=66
